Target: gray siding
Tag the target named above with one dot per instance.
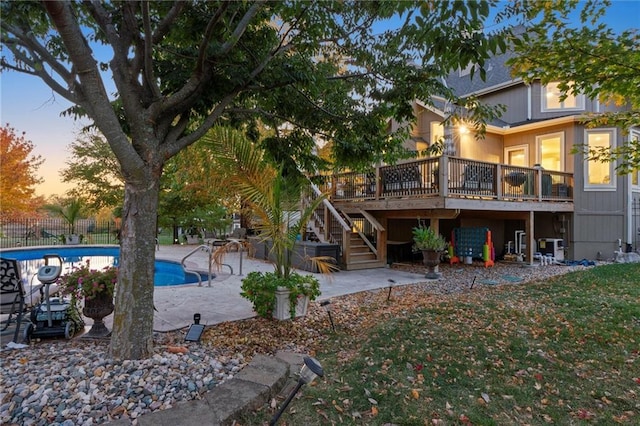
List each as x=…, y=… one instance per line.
x=515, y=98
x=600, y=217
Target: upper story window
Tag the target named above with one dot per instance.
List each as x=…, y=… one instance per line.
x=599, y=175
x=551, y=95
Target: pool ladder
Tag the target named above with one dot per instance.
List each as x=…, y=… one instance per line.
x=202, y=247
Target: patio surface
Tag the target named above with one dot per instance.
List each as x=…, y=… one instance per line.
x=221, y=302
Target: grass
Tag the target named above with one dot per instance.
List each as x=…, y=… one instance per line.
x=565, y=351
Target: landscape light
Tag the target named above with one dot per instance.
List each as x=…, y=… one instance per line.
x=308, y=373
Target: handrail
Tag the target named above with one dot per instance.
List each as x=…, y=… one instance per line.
x=364, y=237
x=189, y=271
x=330, y=207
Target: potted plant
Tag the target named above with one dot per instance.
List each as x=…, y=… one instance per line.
x=274, y=200
x=193, y=235
x=263, y=290
x=96, y=287
x=431, y=244
x=70, y=212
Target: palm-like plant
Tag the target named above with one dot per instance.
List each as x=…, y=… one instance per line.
x=272, y=197
x=69, y=211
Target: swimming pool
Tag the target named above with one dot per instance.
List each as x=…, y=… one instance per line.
x=167, y=273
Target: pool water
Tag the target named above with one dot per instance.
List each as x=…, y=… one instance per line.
x=167, y=273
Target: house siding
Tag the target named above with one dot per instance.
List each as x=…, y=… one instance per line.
x=600, y=217
x=516, y=98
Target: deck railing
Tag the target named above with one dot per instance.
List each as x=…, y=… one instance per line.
x=447, y=176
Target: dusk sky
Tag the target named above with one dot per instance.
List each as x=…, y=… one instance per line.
x=28, y=105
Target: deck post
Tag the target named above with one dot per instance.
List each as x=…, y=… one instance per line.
x=531, y=240
x=443, y=176
x=499, y=181
x=434, y=224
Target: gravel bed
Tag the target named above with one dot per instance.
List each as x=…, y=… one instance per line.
x=59, y=382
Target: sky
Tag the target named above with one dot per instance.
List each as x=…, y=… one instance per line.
x=28, y=105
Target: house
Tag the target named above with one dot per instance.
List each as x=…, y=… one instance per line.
x=522, y=182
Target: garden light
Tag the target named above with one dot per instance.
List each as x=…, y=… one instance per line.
x=309, y=371
x=326, y=304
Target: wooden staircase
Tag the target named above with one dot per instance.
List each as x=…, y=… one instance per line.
x=333, y=227
x=360, y=255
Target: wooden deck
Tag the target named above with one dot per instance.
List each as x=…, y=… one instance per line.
x=452, y=183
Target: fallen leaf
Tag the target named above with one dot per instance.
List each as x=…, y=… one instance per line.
x=415, y=394
x=374, y=411
x=373, y=401
x=177, y=349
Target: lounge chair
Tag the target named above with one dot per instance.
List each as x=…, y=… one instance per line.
x=12, y=294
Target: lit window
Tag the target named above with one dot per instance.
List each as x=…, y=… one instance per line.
x=437, y=132
x=598, y=174
x=551, y=95
x=517, y=155
x=550, y=153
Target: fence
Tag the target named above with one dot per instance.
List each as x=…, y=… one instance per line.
x=39, y=232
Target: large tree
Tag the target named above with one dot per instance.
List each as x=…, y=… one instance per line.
x=94, y=171
x=338, y=69
x=589, y=57
x=18, y=175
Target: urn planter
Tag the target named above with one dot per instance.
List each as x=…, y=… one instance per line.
x=97, y=309
x=431, y=259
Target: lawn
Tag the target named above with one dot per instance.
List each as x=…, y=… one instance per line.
x=564, y=351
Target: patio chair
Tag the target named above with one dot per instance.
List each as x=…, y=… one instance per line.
x=478, y=178
x=411, y=178
x=12, y=294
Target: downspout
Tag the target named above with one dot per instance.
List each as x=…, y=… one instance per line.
x=628, y=206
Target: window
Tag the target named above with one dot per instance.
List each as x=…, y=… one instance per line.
x=517, y=155
x=599, y=175
x=550, y=151
x=551, y=95
x=437, y=132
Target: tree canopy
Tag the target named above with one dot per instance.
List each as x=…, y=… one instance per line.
x=18, y=175
x=333, y=69
x=94, y=171
x=586, y=57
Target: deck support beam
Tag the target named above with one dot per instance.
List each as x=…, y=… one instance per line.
x=531, y=241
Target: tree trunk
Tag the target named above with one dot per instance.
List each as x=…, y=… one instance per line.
x=132, y=335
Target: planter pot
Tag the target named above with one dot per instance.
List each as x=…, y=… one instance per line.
x=282, y=312
x=193, y=239
x=431, y=259
x=96, y=309
x=72, y=239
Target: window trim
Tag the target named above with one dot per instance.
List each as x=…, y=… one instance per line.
x=612, y=165
x=539, y=139
x=580, y=101
x=524, y=147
